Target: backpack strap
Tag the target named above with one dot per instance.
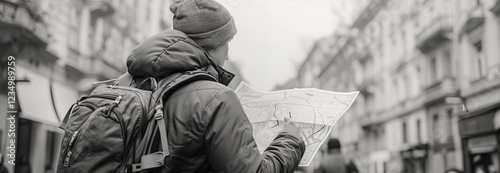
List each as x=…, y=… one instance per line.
x=165, y=88
x=63, y=123
x=124, y=80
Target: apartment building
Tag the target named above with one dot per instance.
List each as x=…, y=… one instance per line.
x=61, y=47
x=477, y=44
x=427, y=72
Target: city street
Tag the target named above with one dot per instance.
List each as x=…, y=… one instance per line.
x=427, y=72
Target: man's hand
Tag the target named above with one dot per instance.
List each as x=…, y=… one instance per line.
x=291, y=127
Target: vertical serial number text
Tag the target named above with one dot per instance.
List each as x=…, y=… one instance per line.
x=11, y=85
x=11, y=110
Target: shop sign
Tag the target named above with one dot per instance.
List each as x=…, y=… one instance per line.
x=416, y=152
x=478, y=124
x=483, y=141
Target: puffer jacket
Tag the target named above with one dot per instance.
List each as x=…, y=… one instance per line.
x=207, y=128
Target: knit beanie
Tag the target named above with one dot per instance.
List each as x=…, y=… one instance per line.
x=333, y=143
x=207, y=22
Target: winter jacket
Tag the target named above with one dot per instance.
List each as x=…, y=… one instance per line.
x=207, y=128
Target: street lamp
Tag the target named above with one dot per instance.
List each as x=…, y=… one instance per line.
x=456, y=101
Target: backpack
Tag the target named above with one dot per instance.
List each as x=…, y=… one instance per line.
x=112, y=129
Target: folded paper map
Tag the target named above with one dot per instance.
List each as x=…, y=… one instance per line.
x=314, y=110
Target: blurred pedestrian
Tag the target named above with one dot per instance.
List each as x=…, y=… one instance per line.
x=23, y=166
x=334, y=161
x=3, y=169
x=207, y=128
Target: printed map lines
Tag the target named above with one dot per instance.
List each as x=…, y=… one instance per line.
x=276, y=108
x=314, y=111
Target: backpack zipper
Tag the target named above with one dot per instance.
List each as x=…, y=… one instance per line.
x=70, y=148
x=143, y=105
x=119, y=115
x=104, y=96
x=142, y=119
x=93, y=107
x=73, y=137
x=121, y=121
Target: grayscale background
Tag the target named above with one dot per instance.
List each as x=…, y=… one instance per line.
x=428, y=71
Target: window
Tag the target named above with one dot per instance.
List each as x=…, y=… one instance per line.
x=436, y=128
x=405, y=132
x=404, y=87
x=479, y=60
x=419, y=134
x=420, y=75
x=449, y=125
x=432, y=70
x=447, y=63
x=74, y=18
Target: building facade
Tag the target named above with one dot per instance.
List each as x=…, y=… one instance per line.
x=478, y=43
x=427, y=72
x=60, y=48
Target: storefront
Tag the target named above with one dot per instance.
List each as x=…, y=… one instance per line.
x=480, y=140
x=415, y=159
x=43, y=103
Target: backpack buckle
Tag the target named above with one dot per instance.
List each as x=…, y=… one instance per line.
x=153, y=160
x=159, y=112
x=133, y=168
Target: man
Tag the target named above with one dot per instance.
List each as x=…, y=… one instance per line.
x=334, y=161
x=207, y=128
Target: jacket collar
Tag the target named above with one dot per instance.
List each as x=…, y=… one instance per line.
x=222, y=75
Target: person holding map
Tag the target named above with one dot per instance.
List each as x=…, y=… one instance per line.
x=207, y=127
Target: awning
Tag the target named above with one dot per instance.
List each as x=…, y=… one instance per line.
x=35, y=98
x=485, y=149
x=482, y=144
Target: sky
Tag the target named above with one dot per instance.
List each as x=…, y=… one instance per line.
x=275, y=36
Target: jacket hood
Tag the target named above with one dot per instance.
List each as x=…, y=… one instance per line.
x=166, y=53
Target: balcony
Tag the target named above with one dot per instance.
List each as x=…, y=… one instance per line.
x=76, y=64
x=435, y=30
x=475, y=18
x=104, y=69
x=399, y=110
x=439, y=90
x=496, y=8
x=370, y=120
x=483, y=92
x=21, y=20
